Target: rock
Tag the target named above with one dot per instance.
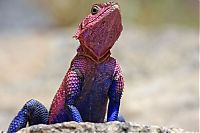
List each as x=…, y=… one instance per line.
x=87, y=127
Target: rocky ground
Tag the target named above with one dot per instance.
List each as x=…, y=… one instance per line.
x=160, y=68
x=110, y=127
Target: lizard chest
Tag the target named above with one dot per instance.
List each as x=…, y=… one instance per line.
x=94, y=93
x=97, y=81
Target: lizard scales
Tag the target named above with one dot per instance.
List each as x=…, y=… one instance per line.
x=93, y=79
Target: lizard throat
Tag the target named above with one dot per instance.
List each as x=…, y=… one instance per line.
x=83, y=51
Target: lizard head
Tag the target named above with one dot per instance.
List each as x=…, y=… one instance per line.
x=100, y=29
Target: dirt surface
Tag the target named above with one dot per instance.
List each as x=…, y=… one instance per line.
x=160, y=68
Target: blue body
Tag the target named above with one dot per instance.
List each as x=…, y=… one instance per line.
x=83, y=96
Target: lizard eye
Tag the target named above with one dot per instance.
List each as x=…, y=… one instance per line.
x=94, y=9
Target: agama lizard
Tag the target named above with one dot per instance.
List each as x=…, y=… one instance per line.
x=93, y=78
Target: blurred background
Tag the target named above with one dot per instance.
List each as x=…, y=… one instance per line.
x=158, y=52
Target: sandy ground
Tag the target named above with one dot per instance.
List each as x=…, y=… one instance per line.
x=160, y=68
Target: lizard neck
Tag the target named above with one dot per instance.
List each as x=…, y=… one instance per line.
x=82, y=50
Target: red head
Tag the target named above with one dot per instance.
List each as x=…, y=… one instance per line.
x=100, y=29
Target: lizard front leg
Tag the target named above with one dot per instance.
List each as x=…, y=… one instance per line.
x=33, y=112
x=63, y=106
x=114, y=94
x=74, y=86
